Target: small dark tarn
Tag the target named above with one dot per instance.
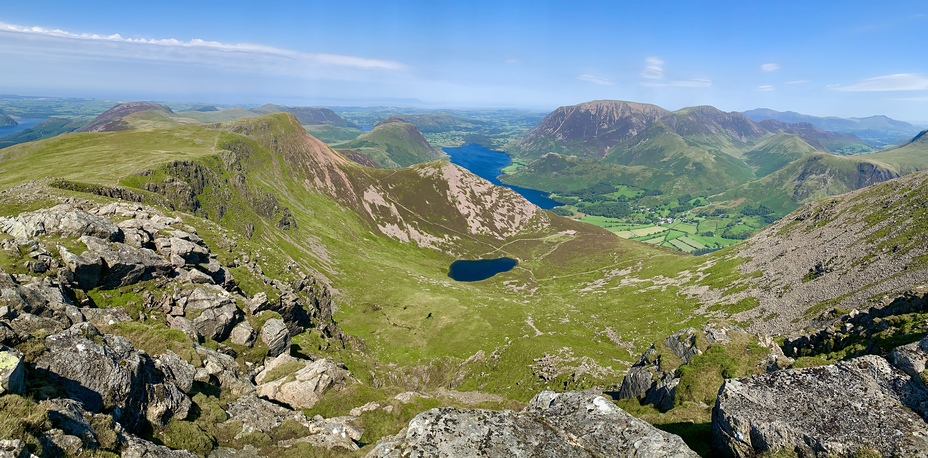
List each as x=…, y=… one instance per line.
x=480, y=269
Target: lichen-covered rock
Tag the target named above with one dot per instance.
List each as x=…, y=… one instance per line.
x=125, y=264
x=105, y=372
x=177, y=370
x=217, y=322
x=641, y=376
x=69, y=416
x=12, y=371
x=683, y=344
x=859, y=406
x=249, y=451
x=912, y=358
x=649, y=383
x=256, y=414
x=553, y=424
x=13, y=448
x=222, y=370
x=243, y=334
x=139, y=448
x=186, y=250
x=64, y=220
x=86, y=268
x=303, y=388
x=276, y=336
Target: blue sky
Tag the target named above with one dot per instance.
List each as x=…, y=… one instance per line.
x=843, y=58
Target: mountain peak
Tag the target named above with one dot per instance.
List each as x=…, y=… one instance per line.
x=591, y=128
x=114, y=118
x=392, y=119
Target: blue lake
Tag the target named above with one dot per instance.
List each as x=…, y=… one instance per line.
x=480, y=269
x=488, y=164
x=22, y=124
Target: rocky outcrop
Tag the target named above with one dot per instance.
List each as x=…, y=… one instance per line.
x=216, y=311
x=275, y=335
x=553, y=424
x=222, y=370
x=13, y=448
x=856, y=407
x=303, y=384
x=912, y=359
x=12, y=371
x=64, y=220
x=256, y=414
x=243, y=334
x=107, y=374
x=140, y=448
x=683, y=344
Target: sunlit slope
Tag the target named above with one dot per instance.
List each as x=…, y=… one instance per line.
x=384, y=240
x=393, y=143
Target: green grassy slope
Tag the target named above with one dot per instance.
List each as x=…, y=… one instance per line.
x=808, y=178
x=910, y=157
x=774, y=153
x=393, y=143
x=579, y=295
x=682, y=165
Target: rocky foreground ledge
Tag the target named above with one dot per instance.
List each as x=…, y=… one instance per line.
x=574, y=424
x=866, y=406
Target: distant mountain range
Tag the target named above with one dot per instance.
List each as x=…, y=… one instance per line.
x=705, y=151
x=878, y=131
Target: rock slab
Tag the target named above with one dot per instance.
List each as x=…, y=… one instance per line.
x=575, y=424
x=863, y=406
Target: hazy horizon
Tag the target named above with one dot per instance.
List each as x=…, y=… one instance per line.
x=845, y=59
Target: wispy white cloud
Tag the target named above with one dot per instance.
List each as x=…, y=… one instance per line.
x=693, y=83
x=512, y=61
x=911, y=99
x=653, y=69
x=770, y=67
x=797, y=82
x=595, y=80
x=197, y=46
x=896, y=82
x=765, y=88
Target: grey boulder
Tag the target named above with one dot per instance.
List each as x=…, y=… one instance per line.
x=276, y=336
x=12, y=371
x=856, y=407
x=553, y=424
x=106, y=373
x=64, y=220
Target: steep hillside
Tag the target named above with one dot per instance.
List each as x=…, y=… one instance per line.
x=120, y=117
x=878, y=131
x=709, y=126
x=588, y=129
x=808, y=178
x=910, y=157
x=853, y=251
x=384, y=240
x=393, y=143
x=772, y=154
